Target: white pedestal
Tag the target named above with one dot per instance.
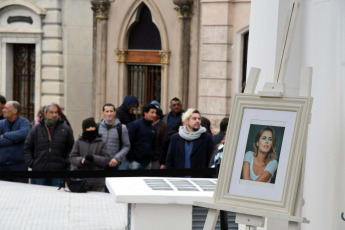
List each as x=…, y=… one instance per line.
x=161, y=216
x=161, y=203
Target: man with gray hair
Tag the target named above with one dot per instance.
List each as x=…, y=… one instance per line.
x=48, y=145
x=192, y=146
x=13, y=131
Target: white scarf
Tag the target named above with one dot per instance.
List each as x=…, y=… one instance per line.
x=190, y=136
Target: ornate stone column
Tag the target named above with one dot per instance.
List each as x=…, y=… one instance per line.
x=101, y=10
x=185, y=10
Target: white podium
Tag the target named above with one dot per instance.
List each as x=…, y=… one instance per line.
x=160, y=203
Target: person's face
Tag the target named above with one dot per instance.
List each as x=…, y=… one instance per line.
x=90, y=129
x=151, y=115
x=193, y=124
x=109, y=113
x=8, y=110
x=131, y=109
x=265, y=142
x=175, y=107
x=52, y=113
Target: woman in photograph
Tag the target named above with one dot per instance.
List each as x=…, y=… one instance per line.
x=261, y=164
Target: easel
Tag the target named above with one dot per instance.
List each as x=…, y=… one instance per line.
x=254, y=218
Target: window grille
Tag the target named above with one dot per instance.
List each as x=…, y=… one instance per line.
x=144, y=82
x=24, y=78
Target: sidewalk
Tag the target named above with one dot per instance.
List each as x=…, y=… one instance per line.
x=25, y=206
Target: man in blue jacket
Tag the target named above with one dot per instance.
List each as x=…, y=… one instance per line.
x=142, y=137
x=192, y=146
x=13, y=132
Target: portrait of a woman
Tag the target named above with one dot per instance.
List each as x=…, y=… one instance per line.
x=261, y=164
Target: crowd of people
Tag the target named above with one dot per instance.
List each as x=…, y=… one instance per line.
x=178, y=139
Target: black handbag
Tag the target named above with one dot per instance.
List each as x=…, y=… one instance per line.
x=78, y=185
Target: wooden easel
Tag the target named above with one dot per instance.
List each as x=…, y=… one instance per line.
x=254, y=218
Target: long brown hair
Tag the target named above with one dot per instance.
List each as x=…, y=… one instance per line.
x=272, y=154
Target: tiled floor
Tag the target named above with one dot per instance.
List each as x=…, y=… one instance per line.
x=25, y=206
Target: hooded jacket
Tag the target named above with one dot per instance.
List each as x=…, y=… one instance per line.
x=12, y=141
x=122, y=112
x=42, y=153
x=98, y=149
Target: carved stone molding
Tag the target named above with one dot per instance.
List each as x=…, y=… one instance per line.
x=121, y=55
x=165, y=57
x=101, y=8
x=184, y=8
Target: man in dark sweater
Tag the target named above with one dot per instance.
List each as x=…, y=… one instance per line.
x=174, y=116
x=142, y=137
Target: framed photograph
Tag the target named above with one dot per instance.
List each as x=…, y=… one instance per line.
x=262, y=158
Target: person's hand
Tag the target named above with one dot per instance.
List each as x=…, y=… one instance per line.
x=162, y=167
x=113, y=163
x=89, y=158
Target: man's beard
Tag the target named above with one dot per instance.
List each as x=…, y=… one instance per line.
x=196, y=129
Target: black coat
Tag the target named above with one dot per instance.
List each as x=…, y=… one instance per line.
x=201, y=152
x=40, y=154
x=142, y=136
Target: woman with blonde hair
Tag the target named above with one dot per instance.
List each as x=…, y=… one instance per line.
x=261, y=164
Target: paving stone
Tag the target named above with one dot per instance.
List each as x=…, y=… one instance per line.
x=26, y=206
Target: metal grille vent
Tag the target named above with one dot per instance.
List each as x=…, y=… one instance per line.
x=181, y=184
x=206, y=185
x=158, y=184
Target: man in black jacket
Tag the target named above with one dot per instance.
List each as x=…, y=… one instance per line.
x=48, y=145
x=142, y=137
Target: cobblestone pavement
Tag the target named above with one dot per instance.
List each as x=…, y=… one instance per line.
x=25, y=206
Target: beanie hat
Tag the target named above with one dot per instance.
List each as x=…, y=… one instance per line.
x=88, y=122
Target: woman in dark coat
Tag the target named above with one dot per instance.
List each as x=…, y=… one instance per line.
x=90, y=153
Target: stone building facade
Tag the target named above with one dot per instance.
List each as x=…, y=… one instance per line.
x=200, y=54
x=88, y=52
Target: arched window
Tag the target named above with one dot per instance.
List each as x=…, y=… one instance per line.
x=143, y=67
x=144, y=35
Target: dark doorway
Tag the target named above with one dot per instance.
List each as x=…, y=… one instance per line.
x=244, y=59
x=24, y=78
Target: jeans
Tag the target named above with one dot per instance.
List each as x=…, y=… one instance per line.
x=123, y=165
x=47, y=181
x=134, y=165
x=14, y=167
